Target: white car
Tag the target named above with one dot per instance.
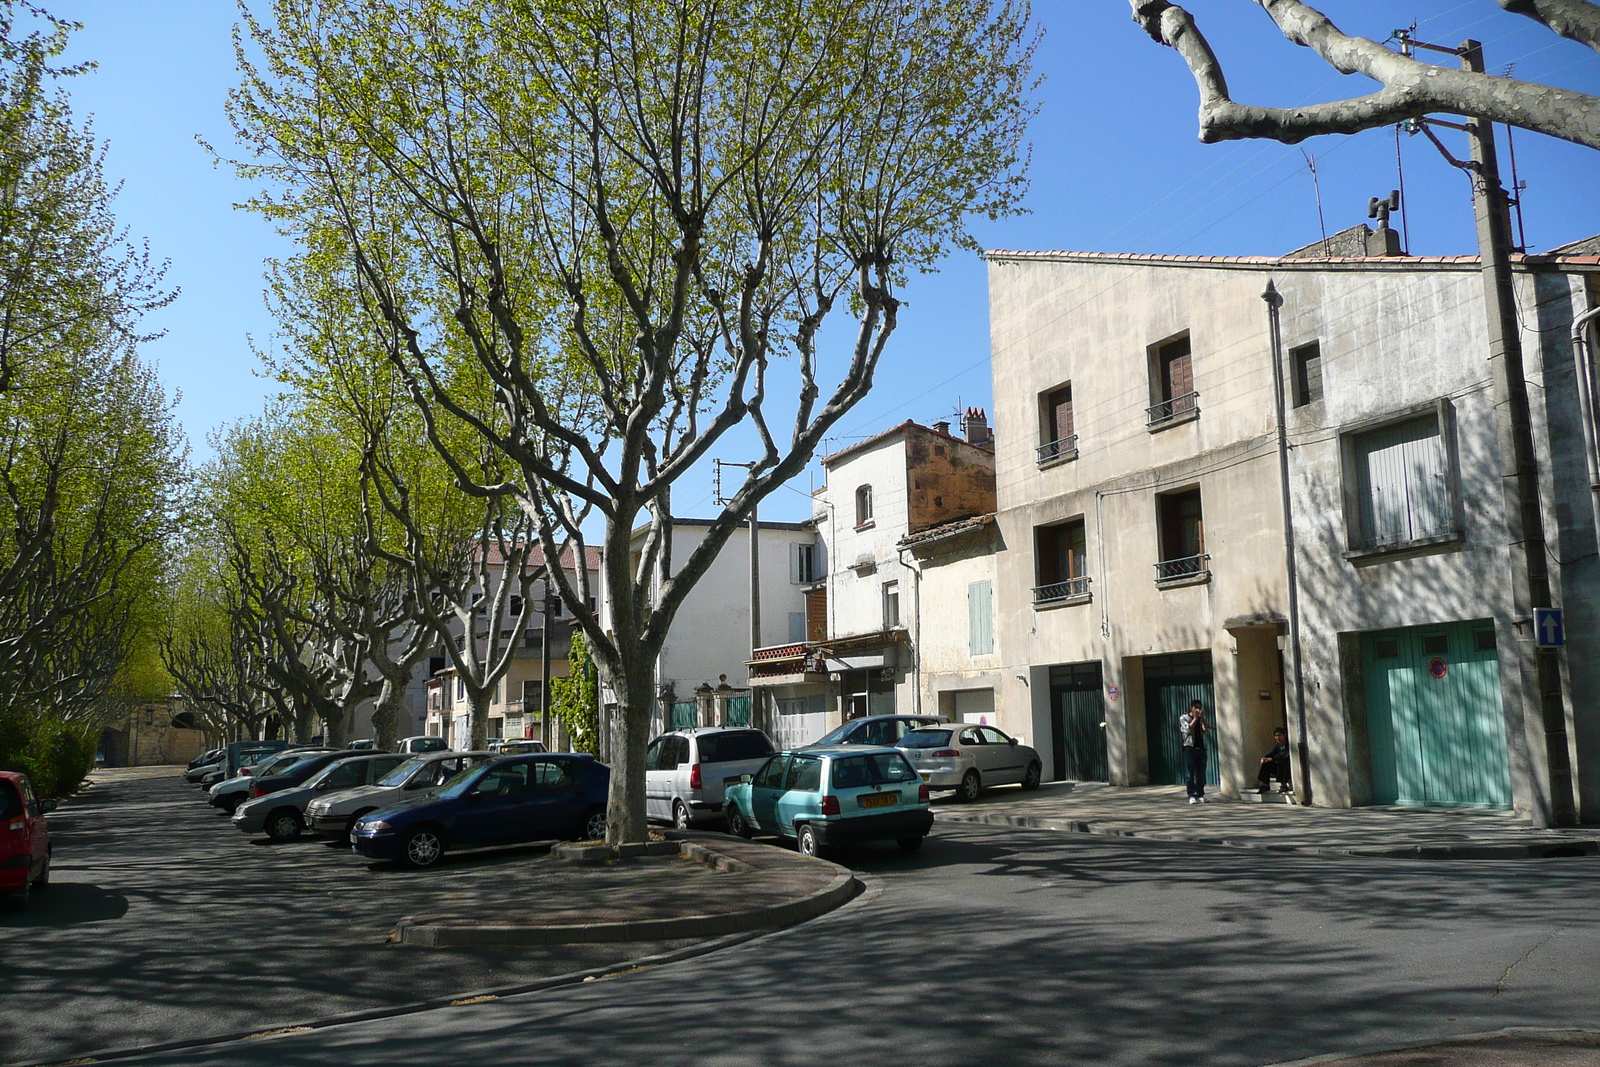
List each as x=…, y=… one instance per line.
x=970, y=758
x=421, y=743
x=686, y=771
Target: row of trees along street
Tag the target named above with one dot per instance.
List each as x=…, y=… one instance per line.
x=90, y=462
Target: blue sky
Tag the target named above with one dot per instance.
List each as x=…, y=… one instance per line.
x=1116, y=167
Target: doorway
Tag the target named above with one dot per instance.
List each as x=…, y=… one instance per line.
x=1434, y=723
x=1170, y=683
x=1078, y=714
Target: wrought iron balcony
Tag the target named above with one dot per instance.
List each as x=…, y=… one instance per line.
x=1177, y=407
x=1064, y=448
x=1067, y=590
x=1186, y=567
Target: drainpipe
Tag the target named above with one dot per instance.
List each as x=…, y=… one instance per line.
x=1275, y=332
x=916, y=634
x=1583, y=363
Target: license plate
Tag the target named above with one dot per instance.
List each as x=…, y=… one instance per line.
x=880, y=800
x=927, y=777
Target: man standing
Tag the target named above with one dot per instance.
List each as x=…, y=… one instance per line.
x=1193, y=729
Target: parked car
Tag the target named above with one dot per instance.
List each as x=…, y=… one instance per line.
x=280, y=814
x=970, y=759
x=197, y=774
x=365, y=744
x=511, y=800
x=245, y=753
x=516, y=747
x=421, y=743
x=839, y=795
x=229, y=793
x=295, y=774
x=334, y=815
x=24, y=839
x=686, y=771
x=207, y=757
x=876, y=730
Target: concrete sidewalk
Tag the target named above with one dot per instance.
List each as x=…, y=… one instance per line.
x=1162, y=813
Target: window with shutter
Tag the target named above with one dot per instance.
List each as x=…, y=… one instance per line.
x=1403, y=484
x=797, y=626
x=980, y=618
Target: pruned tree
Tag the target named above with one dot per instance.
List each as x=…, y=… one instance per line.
x=1410, y=89
x=623, y=221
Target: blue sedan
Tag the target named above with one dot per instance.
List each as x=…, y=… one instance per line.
x=508, y=801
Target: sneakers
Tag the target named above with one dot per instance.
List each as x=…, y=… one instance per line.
x=1201, y=798
x=1194, y=800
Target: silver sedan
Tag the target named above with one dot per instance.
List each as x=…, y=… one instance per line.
x=970, y=758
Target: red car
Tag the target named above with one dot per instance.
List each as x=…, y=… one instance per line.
x=24, y=838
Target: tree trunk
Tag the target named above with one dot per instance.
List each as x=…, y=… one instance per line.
x=478, y=724
x=629, y=737
x=338, y=728
x=387, y=713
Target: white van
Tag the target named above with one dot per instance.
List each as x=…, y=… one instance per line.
x=686, y=771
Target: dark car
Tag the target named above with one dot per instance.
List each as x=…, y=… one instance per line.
x=24, y=839
x=508, y=801
x=294, y=774
x=213, y=756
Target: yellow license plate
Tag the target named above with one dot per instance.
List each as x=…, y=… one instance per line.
x=927, y=777
x=880, y=800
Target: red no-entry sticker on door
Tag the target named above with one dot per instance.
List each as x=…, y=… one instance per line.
x=1438, y=667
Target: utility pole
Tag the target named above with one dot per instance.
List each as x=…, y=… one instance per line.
x=1543, y=708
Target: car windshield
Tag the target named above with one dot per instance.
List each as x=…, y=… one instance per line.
x=833, y=737
x=725, y=748
x=298, y=765
x=925, y=739
x=876, y=768
x=399, y=775
x=267, y=765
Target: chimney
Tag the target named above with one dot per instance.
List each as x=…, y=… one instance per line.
x=942, y=427
x=975, y=427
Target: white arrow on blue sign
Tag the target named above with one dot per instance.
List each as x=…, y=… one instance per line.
x=1547, y=629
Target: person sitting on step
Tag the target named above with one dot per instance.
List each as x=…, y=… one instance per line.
x=1275, y=764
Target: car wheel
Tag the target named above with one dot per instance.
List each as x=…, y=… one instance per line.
x=284, y=824
x=805, y=840
x=738, y=826
x=1030, y=777
x=594, y=826
x=680, y=815
x=909, y=844
x=970, y=787
x=422, y=848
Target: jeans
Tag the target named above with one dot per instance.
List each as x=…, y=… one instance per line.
x=1278, y=769
x=1194, y=771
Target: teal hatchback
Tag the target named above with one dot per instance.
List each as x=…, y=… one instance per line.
x=833, y=795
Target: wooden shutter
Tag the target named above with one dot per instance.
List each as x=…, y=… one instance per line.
x=980, y=618
x=1060, y=414
x=1402, y=481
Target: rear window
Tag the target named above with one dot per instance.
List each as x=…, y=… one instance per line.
x=10, y=801
x=726, y=748
x=925, y=739
x=878, y=768
x=399, y=775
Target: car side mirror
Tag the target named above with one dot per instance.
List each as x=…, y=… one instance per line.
x=745, y=779
x=46, y=807
x=1013, y=740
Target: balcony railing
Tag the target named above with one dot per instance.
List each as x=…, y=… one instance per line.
x=1049, y=594
x=1167, y=410
x=1172, y=570
x=1064, y=448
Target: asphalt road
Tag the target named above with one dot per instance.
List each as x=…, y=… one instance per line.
x=1005, y=946
x=162, y=923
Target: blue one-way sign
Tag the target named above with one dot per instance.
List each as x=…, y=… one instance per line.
x=1547, y=629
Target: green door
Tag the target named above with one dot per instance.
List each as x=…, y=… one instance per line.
x=1079, y=733
x=1170, y=683
x=1434, y=724
x=685, y=714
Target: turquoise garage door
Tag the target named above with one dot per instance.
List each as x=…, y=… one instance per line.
x=1170, y=682
x=1434, y=722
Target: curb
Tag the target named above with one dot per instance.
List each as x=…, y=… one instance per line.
x=428, y=931
x=1460, y=1039
x=1539, y=850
